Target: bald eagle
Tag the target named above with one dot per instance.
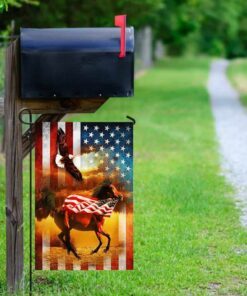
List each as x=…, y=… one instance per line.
x=64, y=159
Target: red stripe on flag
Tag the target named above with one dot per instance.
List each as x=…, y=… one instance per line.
x=38, y=184
x=68, y=264
x=69, y=140
x=99, y=264
x=53, y=177
x=114, y=254
x=68, y=177
x=84, y=266
x=129, y=236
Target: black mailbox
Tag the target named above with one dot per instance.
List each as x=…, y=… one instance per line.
x=76, y=63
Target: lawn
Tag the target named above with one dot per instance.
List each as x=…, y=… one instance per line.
x=188, y=239
x=237, y=72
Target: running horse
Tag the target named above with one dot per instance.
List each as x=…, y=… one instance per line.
x=66, y=220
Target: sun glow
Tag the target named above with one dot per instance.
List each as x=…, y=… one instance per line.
x=87, y=162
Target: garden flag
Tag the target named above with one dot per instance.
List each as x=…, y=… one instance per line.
x=84, y=196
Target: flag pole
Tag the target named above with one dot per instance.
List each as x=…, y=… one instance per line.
x=29, y=136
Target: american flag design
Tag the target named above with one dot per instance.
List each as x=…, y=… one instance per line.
x=66, y=180
x=81, y=204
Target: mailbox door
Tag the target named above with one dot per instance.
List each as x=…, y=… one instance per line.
x=76, y=63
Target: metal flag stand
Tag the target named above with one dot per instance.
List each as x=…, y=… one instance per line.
x=29, y=136
x=132, y=119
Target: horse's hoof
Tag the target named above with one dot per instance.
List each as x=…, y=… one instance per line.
x=93, y=252
x=106, y=250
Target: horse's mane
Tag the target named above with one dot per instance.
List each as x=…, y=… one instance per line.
x=99, y=191
x=50, y=198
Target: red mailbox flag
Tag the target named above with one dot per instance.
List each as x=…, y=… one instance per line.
x=120, y=21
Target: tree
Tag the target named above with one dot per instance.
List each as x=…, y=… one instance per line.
x=4, y=4
x=198, y=26
x=72, y=13
x=207, y=26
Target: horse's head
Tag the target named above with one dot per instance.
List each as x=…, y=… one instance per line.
x=114, y=192
x=61, y=138
x=45, y=204
x=107, y=190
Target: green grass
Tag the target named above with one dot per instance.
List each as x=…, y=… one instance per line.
x=1, y=86
x=237, y=73
x=188, y=239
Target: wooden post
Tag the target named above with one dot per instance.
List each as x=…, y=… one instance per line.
x=17, y=147
x=14, y=201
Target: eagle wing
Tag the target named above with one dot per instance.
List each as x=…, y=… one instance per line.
x=72, y=169
x=66, y=157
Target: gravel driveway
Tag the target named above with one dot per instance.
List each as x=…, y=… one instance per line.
x=231, y=128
